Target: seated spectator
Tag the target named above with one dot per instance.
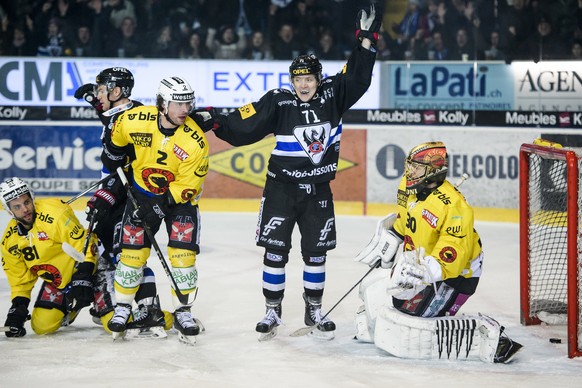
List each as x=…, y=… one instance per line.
x=545, y=44
x=20, y=45
x=164, y=45
x=438, y=51
x=576, y=51
x=386, y=50
x=125, y=42
x=195, y=49
x=492, y=51
x=258, y=48
x=326, y=49
x=118, y=10
x=53, y=43
x=226, y=44
x=286, y=45
x=463, y=48
x=84, y=44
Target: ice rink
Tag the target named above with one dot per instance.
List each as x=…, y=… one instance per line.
x=230, y=303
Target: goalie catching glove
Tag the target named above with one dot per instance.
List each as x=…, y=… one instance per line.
x=414, y=269
x=368, y=25
x=383, y=245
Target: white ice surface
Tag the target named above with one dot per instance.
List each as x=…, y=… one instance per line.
x=230, y=303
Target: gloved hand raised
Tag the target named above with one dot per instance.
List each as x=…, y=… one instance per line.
x=88, y=93
x=100, y=205
x=79, y=292
x=205, y=118
x=17, y=315
x=368, y=24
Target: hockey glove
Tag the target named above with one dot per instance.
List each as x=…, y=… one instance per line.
x=100, y=204
x=155, y=210
x=417, y=270
x=79, y=292
x=368, y=25
x=205, y=118
x=87, y=92
x=17, y=315
x=383, y=246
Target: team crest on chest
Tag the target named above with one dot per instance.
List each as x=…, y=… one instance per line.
x=314, y=140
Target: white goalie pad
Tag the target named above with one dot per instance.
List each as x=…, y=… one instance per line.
x=449, y=338
x=372, y=291
x=383, y=245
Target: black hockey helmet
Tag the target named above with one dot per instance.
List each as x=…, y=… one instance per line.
x=306, y=64
x=116, y=76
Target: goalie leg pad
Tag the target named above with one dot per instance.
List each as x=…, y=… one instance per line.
x=373, y=292
x=460, y=338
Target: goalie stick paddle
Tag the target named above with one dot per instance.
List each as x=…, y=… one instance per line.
x=308, y=329
x=182, y=297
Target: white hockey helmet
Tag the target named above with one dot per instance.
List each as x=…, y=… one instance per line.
x=174, y=89
x=11, y=189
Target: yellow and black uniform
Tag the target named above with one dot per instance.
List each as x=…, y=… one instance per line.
x=28, y=255
x=442, y=222
x=168, y=177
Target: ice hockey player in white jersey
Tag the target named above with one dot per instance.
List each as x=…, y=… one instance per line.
x=431, y=276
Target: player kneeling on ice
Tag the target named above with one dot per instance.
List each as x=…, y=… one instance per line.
x=432, y=275
x=44, y=240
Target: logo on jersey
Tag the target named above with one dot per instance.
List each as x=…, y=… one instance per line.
x=180, y=153
x=133, y=235
x=48, y=272
x=247, y=111
x=42, y=236
x=157, y=180
x=182, y=230
x=455, y=231
x=272, y=225
x=430, y=218
x=141, y=139
x=314, y=140
x=448, y=254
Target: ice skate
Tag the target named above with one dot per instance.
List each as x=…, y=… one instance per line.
x=267, y=327
x=314, y=316
x=186, y=325
x=148, y=322
x=506, y=349
x=118, y=323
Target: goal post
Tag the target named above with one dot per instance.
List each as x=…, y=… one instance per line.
x=550, y=266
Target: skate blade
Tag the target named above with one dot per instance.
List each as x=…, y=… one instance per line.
x=200, y=325
x=187, y=339
x=116, y=335
x=155, y=332
x=267, y=336
x=322, y=335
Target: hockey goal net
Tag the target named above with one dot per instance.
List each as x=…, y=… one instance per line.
x=550, y=241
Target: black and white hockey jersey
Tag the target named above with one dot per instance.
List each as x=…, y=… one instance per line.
x=307, y=134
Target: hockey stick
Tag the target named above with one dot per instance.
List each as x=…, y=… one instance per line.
x=4, y=329
x=94, y=186
x=308, y=329
x=182, y=297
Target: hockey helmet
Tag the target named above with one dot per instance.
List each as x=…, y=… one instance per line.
x=116, y=76
x=11, y=189
x=426, y=163
x=304, y=65
x=174, y=89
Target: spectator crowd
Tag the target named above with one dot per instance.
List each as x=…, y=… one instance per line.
x=282, y=29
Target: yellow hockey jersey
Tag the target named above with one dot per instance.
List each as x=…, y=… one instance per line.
x=38, y=253
x=443, y=225
x=178, y=162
